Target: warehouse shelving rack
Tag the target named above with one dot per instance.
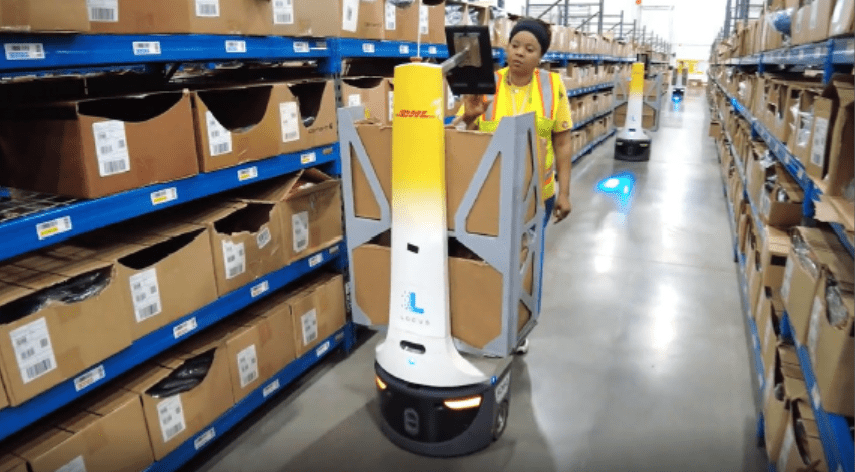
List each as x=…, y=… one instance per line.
x=832, y=55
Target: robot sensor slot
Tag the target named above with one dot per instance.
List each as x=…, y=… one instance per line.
x=413, y=248
x=412, y=347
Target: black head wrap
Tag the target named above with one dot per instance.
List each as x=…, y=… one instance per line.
x=536, y=28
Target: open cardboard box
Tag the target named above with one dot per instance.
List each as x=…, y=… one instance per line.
x=97, y=147
x=58, y=320
x=831, y=345
x=173, y=419
x=373, y=93
x=781, y=214
x=34, y=16
x=834, y=155
x=777, y=412
x=770, y=312
x=795, y=447
x=107, y=433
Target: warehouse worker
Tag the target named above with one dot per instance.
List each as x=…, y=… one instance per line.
x=523, y=88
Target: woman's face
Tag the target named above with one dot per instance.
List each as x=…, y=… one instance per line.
x=523, y=53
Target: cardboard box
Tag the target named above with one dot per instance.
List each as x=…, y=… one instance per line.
x=179, y=16
x=799, y=33
x=770, y=310
x=715, y=129
x=432, y=23
x=831, y=345
x=820, y=252
x=839, y=153
x=174, y=419
x=842, y=18
x=780, y=214
x=10, y=463
x=377, y=141
x=41, y=344
x=374, y=93
x=500, y=30
x=43, y=16
x=241, y=124
x=795, y=448
x=308, y=211
x=246, y=239
x=823, y=114
x=317, y=311
x=164, y=269
x=401, y=24
x=263, y=332
x=801, y=126
x=93, y=148
x=777, y=411
x=108, y=435
x=818, y=18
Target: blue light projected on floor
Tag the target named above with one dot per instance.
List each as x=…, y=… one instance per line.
x=620, y=188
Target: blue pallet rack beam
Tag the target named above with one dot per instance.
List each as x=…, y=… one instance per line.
x=258, y=397
x=15, y=419
x=22, y=235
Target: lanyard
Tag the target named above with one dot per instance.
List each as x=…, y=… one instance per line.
x=512, y=96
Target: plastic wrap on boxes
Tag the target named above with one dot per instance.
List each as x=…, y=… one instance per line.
x=185, y=378
x=781, y=20
x=836, y=311
x=74, y=290
x=454, y=15
x=802, y=251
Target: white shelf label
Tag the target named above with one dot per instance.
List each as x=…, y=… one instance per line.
x=164, y=196
x=24, y=51
x=268, y=390
x=111, y=148
x=247, y=362
x=315, y=260
x=259, y=289
x=205, y=438
x=53, y=227
x=89, y=378
x=322, y=349
x=334, y=250
x=814, y=395
x=283, y=12
x=234, y=257
x=76, y=465
x=235, y=47
x=404, y=49
x=368, y=48
x=33, y=350
x=170, y=414
x=301, y=47
x=308, y=158
x=145, y=295
x=184, y=328
x=146, y=48
x=247, y=174
x=432, y=50
x=103, y=11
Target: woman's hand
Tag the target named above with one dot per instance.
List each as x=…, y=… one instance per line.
x=474, y=106
x=562, y=208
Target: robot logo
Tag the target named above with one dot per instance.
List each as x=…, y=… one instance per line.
x=411, y=421
x=410, y=304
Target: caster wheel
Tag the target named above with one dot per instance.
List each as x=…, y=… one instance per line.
x=501, y=421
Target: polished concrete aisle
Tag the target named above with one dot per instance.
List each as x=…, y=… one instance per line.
x=640, y=362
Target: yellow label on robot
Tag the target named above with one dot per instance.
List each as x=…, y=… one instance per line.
x=636, y=87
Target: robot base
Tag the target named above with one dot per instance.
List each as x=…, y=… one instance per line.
x=632, y=148
x=443, y=421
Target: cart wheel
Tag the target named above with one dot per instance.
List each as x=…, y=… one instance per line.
x=501, y=421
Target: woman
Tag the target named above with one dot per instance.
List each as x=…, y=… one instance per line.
x=523, y=88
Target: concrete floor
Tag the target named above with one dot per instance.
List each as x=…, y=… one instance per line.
x=640, y=362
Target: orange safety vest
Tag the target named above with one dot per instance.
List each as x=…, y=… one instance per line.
x=546, y=87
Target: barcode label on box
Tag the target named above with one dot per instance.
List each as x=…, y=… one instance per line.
x=184, y=328
x=163, y=196
x=322, y=349
x=354, y=99
x=283, y=12
x=309, y=321
x=219, y=138
x=170, y=413
x=301, y=47
x=146, y=48
x=263, y=238
x=813, y=329
x=76, y=465
x=300, y=230
x=308, y=158
x=423, y=22
x=404, y=49
x=391, y=102
x=268, y=390
x=235, y=47
x=814, y=14
x=103, y=11
x=820, y=135
x=205, y=438
x=234, y=257
x=767, y=337
x=350, y=15
x=24, y=51
x=432, y=49
x=247, y=362
x=259, y=289
x=89, y=378
x=53, y=227
x=33, y=350
x=368, y=48
x=316, y=259
x=788, y=274
x=208, y=8
x=391, y=16
x=145, y=294
x=288, y=116
x=247, y=174
x=111, y=147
